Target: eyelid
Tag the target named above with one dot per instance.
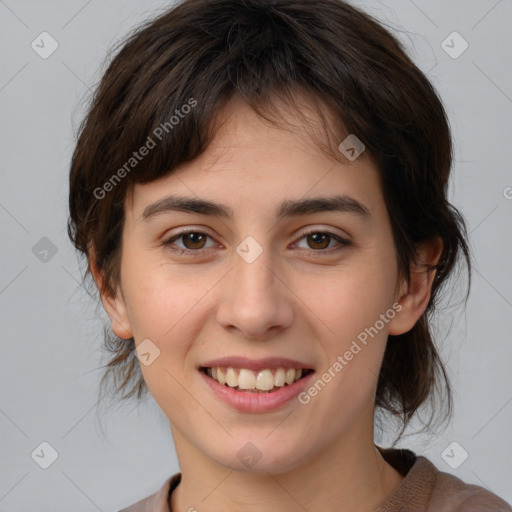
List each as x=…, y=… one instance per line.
x=343, y=241
x=185, y=231
x=328, y=230
x=300, y=233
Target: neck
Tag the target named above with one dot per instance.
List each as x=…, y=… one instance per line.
x=351, y=476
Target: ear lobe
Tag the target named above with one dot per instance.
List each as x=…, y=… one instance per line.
x=414, y=297
x=114, y=305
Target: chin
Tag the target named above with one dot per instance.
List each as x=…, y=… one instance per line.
x=259, y=457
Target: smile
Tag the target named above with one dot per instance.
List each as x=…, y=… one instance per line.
x=266, y=380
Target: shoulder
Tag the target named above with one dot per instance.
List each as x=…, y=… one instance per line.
x=159, y=501
x=426, y=488
x=458, y=496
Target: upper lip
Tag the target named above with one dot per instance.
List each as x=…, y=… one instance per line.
x=255, y=364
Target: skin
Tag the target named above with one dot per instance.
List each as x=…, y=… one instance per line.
x=286, y=303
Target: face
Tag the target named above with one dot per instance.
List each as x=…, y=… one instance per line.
x=303, y=286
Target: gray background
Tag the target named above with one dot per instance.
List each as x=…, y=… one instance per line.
x=52, y=330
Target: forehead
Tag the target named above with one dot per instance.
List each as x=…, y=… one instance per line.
x=253, y=165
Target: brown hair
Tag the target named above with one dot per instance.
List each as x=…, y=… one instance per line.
x=206, y=51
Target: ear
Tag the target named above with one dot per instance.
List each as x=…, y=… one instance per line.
x=414, y=297
x=114, y=304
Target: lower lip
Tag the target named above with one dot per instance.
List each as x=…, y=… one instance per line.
x=257, y=402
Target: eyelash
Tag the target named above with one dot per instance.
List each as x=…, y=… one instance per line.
x=168, y=244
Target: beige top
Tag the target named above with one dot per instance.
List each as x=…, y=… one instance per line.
x=424, y=489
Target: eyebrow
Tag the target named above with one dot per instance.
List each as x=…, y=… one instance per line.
x=289, y=208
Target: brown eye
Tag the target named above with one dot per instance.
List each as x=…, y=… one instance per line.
x=318, y=243
x=188, y=242
x=319, y=240
x=193, y=240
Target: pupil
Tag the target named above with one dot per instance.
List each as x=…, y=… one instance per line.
x=321, y=236
x=191, y=236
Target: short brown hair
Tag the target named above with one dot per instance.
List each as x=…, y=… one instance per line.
x=261, y=50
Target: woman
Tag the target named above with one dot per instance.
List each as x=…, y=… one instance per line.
x=260, y=189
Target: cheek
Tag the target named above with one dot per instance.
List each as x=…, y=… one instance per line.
x=349, y=300
x=161, y=309
x=158, y=297
x=350, y=304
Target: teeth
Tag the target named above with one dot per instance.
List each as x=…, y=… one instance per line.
x=280, y=377
x=255, y=381
x=231, y=378
x=264, y=380
x=247, y=380
x=290, y=376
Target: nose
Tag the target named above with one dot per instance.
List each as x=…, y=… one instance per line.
x=256, y=299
